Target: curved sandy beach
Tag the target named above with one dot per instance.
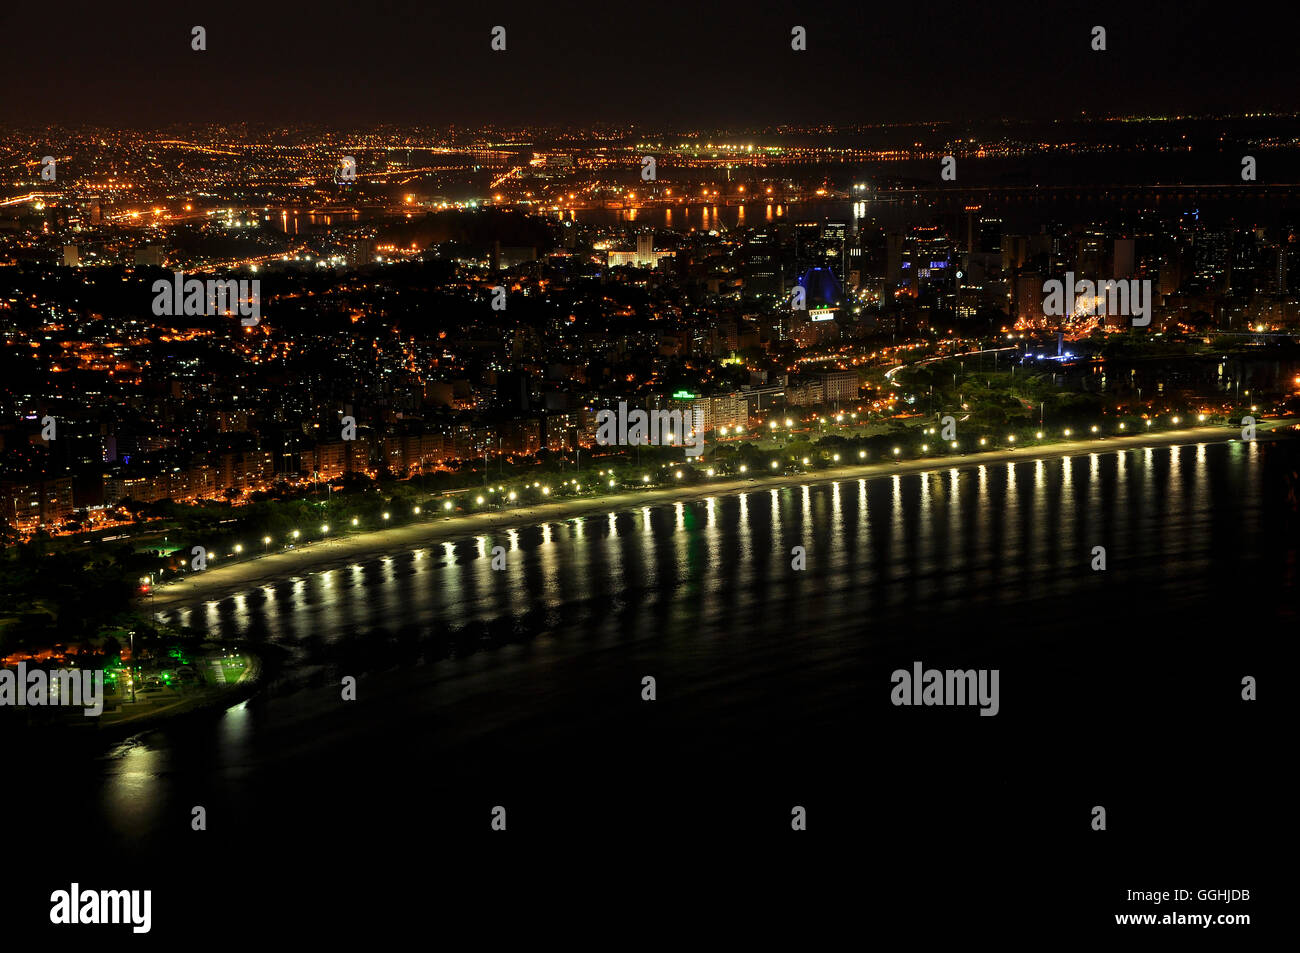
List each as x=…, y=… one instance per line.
x=234, y=577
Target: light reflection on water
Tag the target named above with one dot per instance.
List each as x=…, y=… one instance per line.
x=902, y=536
x=700, y=590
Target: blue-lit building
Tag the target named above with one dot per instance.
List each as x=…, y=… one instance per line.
x=821, y=287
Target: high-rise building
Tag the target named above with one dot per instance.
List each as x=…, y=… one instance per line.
x=840, y=385
x=1015, y=249
x=27, y=505
x=1125, y=258
x=1029, y=297
x=363, y=252
x=893, y=258
x=1090, y=253
x=990, y=240
x=1212, y=256
x=972, y=228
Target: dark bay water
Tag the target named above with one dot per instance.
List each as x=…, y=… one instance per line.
x=522, y=687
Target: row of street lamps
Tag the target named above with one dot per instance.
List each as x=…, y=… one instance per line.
x=512, y=495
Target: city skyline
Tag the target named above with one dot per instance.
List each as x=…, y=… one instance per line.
x=705, y=252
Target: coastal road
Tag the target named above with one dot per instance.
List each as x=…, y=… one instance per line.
x=235, y=577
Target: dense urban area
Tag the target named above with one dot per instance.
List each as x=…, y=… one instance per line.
x=415, y=324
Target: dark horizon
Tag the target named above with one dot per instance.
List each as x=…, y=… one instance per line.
x=407, y=62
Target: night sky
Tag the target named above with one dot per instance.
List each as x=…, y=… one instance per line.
x=715, y=62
